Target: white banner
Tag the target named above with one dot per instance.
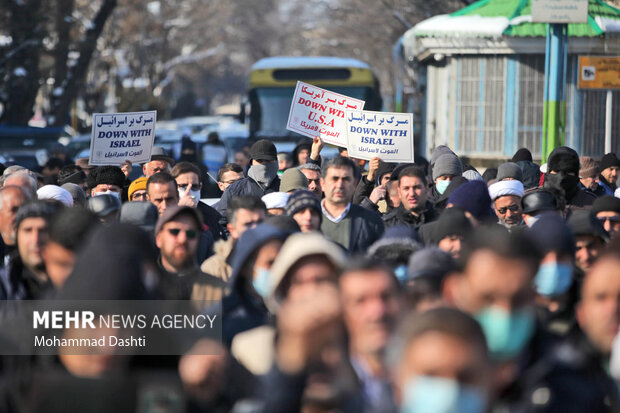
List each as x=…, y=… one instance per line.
x=118, y=137
x=386, y=135
x=319, y=112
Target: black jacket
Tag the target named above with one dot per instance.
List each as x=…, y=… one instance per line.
x=400, y=216
x=366, y=228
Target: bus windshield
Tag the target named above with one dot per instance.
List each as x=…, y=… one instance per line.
x=270, y=107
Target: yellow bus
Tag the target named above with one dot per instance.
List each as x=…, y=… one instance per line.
x=273, y=81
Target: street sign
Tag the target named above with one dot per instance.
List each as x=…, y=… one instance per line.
x=560, y=11
x=597, y=72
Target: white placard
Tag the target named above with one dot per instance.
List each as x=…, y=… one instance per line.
x=560, y=11
x=319, y=112
x=117, y=137
x=386, y=135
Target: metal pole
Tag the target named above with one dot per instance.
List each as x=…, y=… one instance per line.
x=546, y=94
x=555, y=79
x=608, y=120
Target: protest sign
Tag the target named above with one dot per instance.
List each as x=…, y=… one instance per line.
x=118, y=137
x=386, y=135
x=319, y=112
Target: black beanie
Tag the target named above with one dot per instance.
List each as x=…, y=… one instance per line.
x=522, y=154
x=108, y=175
x=609, y=160
x=451, y=222
x=563, y=159
x=490, y=173
x=550, y=233
x=606, y=203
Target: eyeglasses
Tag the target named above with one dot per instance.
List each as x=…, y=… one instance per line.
x=612, y=220
x=194, y=187
x=190, y=233
x=512, y=208
x=136, y=196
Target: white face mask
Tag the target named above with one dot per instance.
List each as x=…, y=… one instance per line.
x=116, y=194
x=194, y=194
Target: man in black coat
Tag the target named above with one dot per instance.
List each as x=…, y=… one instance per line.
x=414, y=209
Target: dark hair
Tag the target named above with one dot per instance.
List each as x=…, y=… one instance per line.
x=228, y=167
x=252, y=203
x=53, y=163
x=160, y=178
x=365, y=264
x=511, y=245
x=70, y=226
x=413, y=171
x=37, y=209
x=338, y=162
x=183, y=168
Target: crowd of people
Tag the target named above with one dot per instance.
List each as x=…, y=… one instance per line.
x=343, y=285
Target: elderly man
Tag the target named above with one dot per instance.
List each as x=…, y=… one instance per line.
x=177, y=237
x=106, y=180
x=24, y=179
x=607, y=210
x=160, y=162
x=506, y=196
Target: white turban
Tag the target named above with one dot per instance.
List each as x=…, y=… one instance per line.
x=503, y=188
x=57, y=193
x=275, y=200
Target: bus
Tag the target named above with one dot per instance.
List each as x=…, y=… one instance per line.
x=272, y=85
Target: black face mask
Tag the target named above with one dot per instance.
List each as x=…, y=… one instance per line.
x=569, y=183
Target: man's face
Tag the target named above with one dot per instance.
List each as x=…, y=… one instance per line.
x=139, y=195
x=59, y=263
x=508, y=210
x=598, y=312
x=188, y=179
x=610, y=221
x=244, y=219
x=177, y=241
x=308, y=219
x=610, y=174
x=283, y=164
x=492, y=280
x=588, y=248
x=451, y=244
x=385, y=178
x=153, y=167
x=12, y=199
x=228, y=178
x=314, y=182
x=241, y=159
x=266, y=255
x=370, y=307
x=413, y=193
x=393, y=197
x=308, y=274
x=31, y=238
x=438, y=354
x=162, y=195
x=338, y=185
x=302, y=156
x=590, y=182
x=105, y=188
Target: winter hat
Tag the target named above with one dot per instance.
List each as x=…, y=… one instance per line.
x=275, y=200
x=472, y=175
x=583, y=222
x=137, y=185
x=159, y=154
x=264, y=150
x=447, y=164
x=401, y=232
x=440, y=150
x=606, y=203
x=140, y=214
x=563, y=159
x=77, y=193
x=589, y=167
x=503, y=188
x=550, y=233
x=451, y=222
x=57, y=193
x=293, y=179
x=430, y=262
x=523, y=154
x=489, y=174
x=302, y=199
x=108, y=175
x=509, y=170
x=474, y=198
x=609, y=160
x=538, y=200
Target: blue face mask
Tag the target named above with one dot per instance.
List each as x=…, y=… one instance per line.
x=261, y=282
x=553, y=278
x=507, y=333
x=441, y=186
x=424, y=394
x=401, y=273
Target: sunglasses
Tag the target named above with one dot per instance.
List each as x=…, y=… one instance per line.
x=190, y=233
x=612, y=220
x=194, y=187
x=512, y=208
